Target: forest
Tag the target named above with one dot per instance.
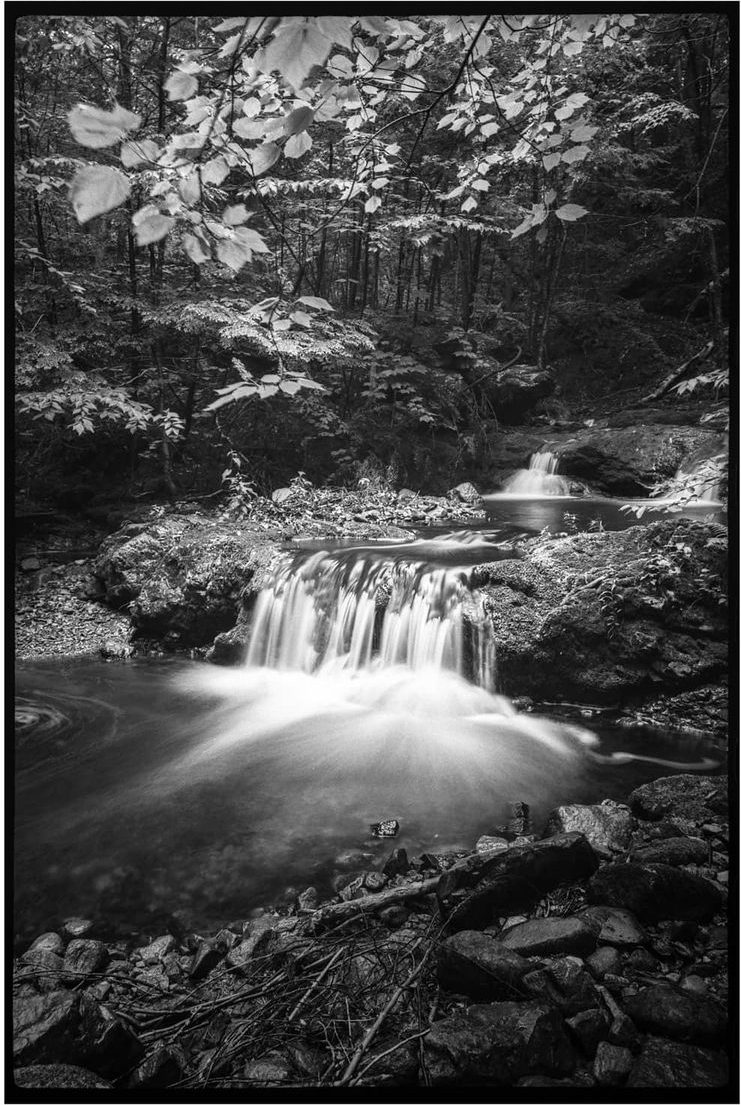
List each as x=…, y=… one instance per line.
x=373, y=713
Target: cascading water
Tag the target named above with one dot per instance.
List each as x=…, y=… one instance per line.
x=539, y=478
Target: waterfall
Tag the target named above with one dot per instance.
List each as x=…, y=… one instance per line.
x=334, y=612
x=539, y=478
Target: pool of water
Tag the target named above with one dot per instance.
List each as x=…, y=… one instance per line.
x=151, y=788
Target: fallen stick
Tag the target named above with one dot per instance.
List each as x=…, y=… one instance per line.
x=342, y=911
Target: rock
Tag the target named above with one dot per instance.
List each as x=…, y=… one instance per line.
x=398, y=1068
x=485, y=845
x=394, y=916
x=43, y=1026
x=396, y=864
x=563, y=983
x=612, y=1064
x=48, y=941
x=281, y=494
x=30, y=564
x=157, y=950
x=549, y=936
x=678, y=1014
x=75, y=928
x=85, y=957
x=161, y=1068
x=115, y=650
x=273, y=1070
x=516, y=390
x=465, y=493
x=589, y=1027
x=43, y=968
x=106, y=1045
x=604, y=961
x=623, y=1032
x=516, y=879
x=617, y=927
x=58, y=1076
x=675, y=852
x=668, y=1065
x=476, y=964
x=607, y=825
x=308, y=900
x=655, y=892
x=259, y=935
x=697, y=797
x=641, y=961
x=494, y=1045
x=206, y=958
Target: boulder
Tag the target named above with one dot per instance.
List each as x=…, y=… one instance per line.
x=494, y=1045
x=679, y=1014
x=156, y=951
x=605, y=961
x=515, y=391
x=399, y=1067
x=485, y=845
x=465, y=493
x=43, y=967
x=43, y=1026
x=274, y=1069
x=617, y=927
x=676, y=852
x=85, y=957
x=549, y=936
x=106, y=1045
x=516, y=878
x=607, y=825
x=206, y=958
x=668, y=1065
x=477, y=964
x=612, y=1064
x=58, y=1076
x=74, y=928
x=655, y=892
x=48, y=941
x=589, y=1027
x=695, y=797
x=162, y=1067
x=563, y=983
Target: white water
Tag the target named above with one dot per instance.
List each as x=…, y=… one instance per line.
x=538, y=479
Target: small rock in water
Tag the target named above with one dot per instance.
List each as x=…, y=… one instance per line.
x=385, y=828
x=485, y=845
x=397, y=863
x=76, y=927
x=30, y=564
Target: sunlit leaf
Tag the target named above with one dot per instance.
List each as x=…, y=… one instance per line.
x=298, y=144
x=235, y=214
x=297, y=47
x=570, y=212
x=301, y=318
x=180, y=85
x=97, y=189
x=196, y=248
x=372, y=204
x=316, y=302
x=97, y=129
x=136, y=153
x=151, y=226
x=263, y=157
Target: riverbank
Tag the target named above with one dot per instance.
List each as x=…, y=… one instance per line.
x=596, y=956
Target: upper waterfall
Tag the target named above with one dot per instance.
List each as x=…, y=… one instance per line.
x=539, y=478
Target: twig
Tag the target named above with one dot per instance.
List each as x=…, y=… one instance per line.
x=317, y=982
x=360, y=906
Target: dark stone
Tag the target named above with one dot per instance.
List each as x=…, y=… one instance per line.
x=516, y=390
x=655, y=892
x=549, y=936
x=156, y=951
x=517, y=878
x=106, y=1045
x=612, y=1064
x=399, y=1068
x=162, y=1067
x=476, y=964
x=675, y=852
x=394, y=916
x=677, y=1013
x=589, y=1027
x=308, y=900
x=48, y=941
x=494, y=1045
x=668, y=1065
x=605, y=961
x=623, y=1032
x=206, y=958
x=607, y=825
x=274, y=1069
x=43, y=1026
x=58, y=1076
x=642, y=961
x=85, y=957
x=43, y=968
x=75, y=928
x=696, y=797
x=397, y=863
x=565, y=984
x=614, y=926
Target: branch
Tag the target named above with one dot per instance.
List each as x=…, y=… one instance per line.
x=329, y=915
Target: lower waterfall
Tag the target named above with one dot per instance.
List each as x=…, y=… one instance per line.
x=539, y=478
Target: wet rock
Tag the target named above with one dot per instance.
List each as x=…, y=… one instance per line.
x=485, y=845
x=43, y=1026
x=43, y=968
x=476, y=964
x=206, y=958
x=394, y=916
x=115, y=650
x=607, y=825
x=273, y=1070
x=642, y=961
x=75, y=928
x=517, y=878
x=85, y=957
x=697, y=797
x=106, y=1045
x=675, y=852
x=668, y=1065
x=161, y=1068
x=399, y=1068
x=655, y=892
x=308, y=900
x=48, y=941
x=612, y=1064
x=157, y=950
x=589, y=1027
x=617, y=927
x=623, y=1032
x=396, y=864
x=58, y=1076
x=678, y=1014
x=565, y=984
x=604, y=961
x=549, y=936
x=260, y=934
x=494, y=1045
x=465, y=493
x=516, y=390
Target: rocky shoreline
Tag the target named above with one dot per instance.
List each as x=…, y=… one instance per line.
x=593, y=957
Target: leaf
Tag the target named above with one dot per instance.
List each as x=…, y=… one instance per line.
x=480, y=185
x=230, y=24
x=337, y=28
x=571, y=49
x=489, y=129
x=196, y=248
x=570, y=212
x=374, y=25
x=372, y=204
x=180, y=85
x=215, y=171
x=524, y=226
x=296, y=48
x=300, y=318
x=340, y=66
x=190, y=188
x=97, y=129
x=134, y=153
x=282, y=324
x=249, y=128
x=97, y=189
x=298, y=144
x=251, y=239
x=316, y=302
x=576, y=153
x=234, y=255
x=583, y=134
x=290, y=387
x=263, y=157
x=150, y=225
x=298, y=120
x=235, y=214
x=549, y=197
x=551, y=160
x=469, y=204
x=270, y=378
